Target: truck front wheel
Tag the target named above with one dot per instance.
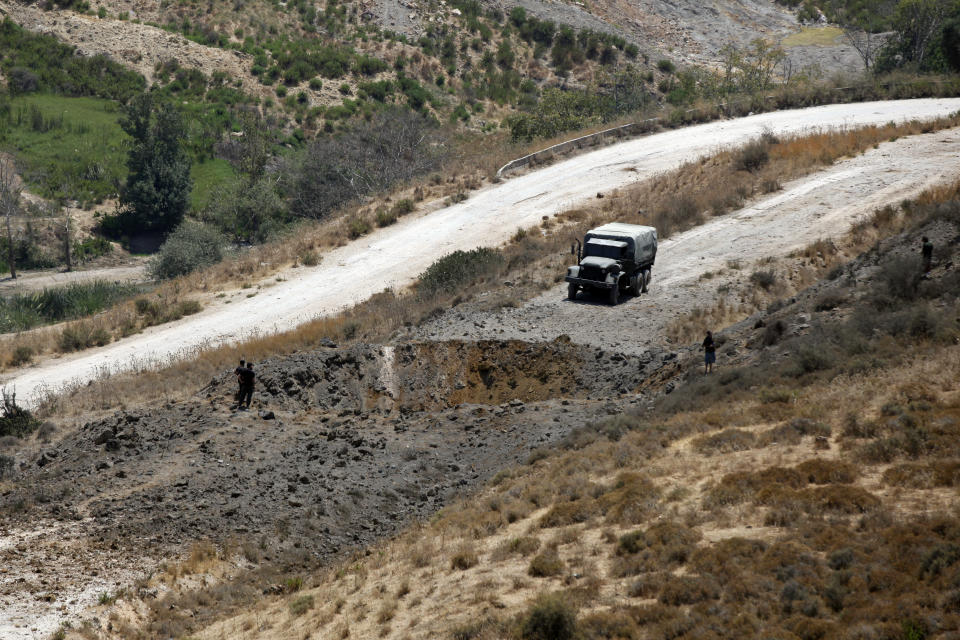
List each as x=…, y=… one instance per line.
x=615, y=295
x=572, y=291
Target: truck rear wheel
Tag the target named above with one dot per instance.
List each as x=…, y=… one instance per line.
x=572, y=291
x=636, y=285
x=646, y=280
x=615, y=295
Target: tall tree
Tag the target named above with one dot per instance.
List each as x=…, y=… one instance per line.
x=9, y=205
x=917, y=24
x=157, y=192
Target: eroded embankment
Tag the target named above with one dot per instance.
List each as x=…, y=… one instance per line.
x=342, y=445
x=433, y=376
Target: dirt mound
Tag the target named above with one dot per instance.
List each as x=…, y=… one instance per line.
x=342, y=446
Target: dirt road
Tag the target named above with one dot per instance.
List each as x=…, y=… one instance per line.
x=394, y=256
x=820, y=206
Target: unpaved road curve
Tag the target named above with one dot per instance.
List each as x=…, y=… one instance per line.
x=394, y=256
x=822, y=205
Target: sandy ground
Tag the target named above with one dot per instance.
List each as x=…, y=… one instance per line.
x=394, y=256
x=36, y=592
x=821, y=206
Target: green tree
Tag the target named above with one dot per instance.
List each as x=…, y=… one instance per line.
x=157, y=192
x=751, y=69
x=917, y=24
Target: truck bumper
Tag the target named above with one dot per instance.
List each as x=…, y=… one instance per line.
x=590, y=284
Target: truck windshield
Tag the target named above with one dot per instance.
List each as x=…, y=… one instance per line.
x=602, y=248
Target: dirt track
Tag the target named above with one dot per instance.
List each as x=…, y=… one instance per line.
x=394, y=256
x=821, y=206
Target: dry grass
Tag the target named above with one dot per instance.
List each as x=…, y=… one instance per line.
x=807, y=543
x=830, y=521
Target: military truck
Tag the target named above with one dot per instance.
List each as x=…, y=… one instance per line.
x=613, y=258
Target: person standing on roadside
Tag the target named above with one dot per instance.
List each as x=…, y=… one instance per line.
x=926, y=252
x=236, y=372
x=247, y=379
x=709, y=353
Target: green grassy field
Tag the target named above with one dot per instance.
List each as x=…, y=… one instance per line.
x=206, y=177
x=67, y=147
x=74, y=148
x=819, y=36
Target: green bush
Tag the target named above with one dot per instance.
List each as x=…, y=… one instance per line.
x=22, y=354
x=190, y=247
x=82, y=335
x=452, y=271
x=386, y=217
x=753, y=155
x=20, y=312
x=357, y=227
x=403, y=207
x=92, y=247
x=301, y=605
x=35, y=62
x=14, y=419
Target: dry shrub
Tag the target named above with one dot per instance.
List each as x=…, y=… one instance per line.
x=807, y=628
x=840, y=499
x=683, y=590
x=939, y=473
x=464, y=557
x=551, y=617
x=545, y=564
x=663, y=545
x=792, y=432
x=727, y=441
x=821, y=471
x=740, y=486
x=609, y=624
x=523, y=546
x=753, y=155
x=727, y=558
x=853, y=427
x=630, y=499
x=202, y=556
x=647, y=585
x=301, y=605
x=567, y=513
x=831, y=299
x=421, y=554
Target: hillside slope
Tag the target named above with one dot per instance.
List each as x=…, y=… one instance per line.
x=394, y=256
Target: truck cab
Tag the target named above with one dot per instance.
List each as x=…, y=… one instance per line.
x=613, y=258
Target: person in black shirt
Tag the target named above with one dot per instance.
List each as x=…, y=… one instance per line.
x=709, y=353
x=247, y=379
x=236, y=372
x=926, y=251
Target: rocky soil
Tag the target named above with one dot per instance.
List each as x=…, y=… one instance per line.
x=343, y=446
